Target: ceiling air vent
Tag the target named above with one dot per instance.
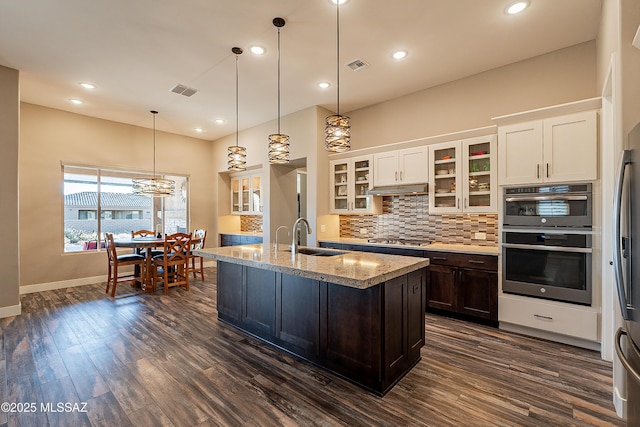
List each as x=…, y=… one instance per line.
x=357, y=64
x=183, y=90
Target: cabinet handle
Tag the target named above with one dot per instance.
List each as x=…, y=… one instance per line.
x=457, y=202
x=473, y=261
x=543, y=317
x=439, y=258
x=547, y=170
x=537, y=170
x=396, y=175
x=400, y=175
x=465, y=203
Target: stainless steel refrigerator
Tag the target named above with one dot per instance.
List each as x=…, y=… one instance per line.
x=626, y=253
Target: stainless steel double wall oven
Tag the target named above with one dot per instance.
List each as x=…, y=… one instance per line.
x=546, y=242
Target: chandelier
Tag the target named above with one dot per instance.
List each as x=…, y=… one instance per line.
x=278, y=142
x=237, y=156
x=337, y=128
x=153, y=187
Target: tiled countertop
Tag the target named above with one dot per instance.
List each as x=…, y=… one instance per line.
x=444, y=247
x=354, y=269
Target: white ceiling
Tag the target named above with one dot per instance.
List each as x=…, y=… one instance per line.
x=136, y=51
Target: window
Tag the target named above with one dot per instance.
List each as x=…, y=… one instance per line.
x=98, y=201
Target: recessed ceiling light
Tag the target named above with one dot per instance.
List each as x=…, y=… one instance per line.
x=516, y=7
x=338, y=1
x=324, y=85
x=399, y=54
x=199, y=130
x=75, y=101
x=257, y=50
x=220, y=121
x=87, y=85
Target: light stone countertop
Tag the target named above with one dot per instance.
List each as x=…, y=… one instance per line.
x=444, y=247
x=360, y=270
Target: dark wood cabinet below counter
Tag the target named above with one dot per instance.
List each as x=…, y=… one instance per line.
x=463, y=283
x=459, y=283
x=238, y=239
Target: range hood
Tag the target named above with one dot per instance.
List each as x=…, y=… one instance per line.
x=399, y=189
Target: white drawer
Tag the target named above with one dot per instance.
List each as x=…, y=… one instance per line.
x=556, y=317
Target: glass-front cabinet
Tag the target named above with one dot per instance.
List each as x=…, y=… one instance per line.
x=246, y=194
x=463, y=176
x=350, y=181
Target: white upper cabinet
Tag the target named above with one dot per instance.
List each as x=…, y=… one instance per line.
x=463, y=176
x=400, y=167
x=350, y=181
x=556, y=149
x=246, y=194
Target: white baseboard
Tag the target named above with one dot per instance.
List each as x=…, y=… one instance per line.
x=12, y=310
x=27, y=289
x=620, y=403
x=50, y=286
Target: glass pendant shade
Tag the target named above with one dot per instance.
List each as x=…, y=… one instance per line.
x=153, y=187
x=337, y=133
x=237, y=158
x=278, y=148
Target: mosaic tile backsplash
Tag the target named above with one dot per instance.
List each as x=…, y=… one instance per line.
x=407, y=217
x=251, y=223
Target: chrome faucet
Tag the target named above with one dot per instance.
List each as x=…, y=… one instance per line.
x=294, y=242
x=275, y=245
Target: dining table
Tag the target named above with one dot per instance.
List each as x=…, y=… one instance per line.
x=146, y=244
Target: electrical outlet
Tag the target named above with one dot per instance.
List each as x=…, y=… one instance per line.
x=480, y=236
x=323, y=228
x=363, y=231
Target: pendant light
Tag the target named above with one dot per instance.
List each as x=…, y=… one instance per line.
x=153, y=187
x=337, y=128
x=278, y=142
x=237, y=156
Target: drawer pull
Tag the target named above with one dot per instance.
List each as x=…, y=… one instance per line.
x=543, y=317
x=473, y=261
x=439, y=258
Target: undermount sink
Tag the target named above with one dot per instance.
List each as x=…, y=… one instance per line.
x=318, y=252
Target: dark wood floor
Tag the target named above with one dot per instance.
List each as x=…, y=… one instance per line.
x=156, y=360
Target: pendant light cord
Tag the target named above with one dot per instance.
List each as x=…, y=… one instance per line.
x=278, y=80
x=154, y=142
x=237, y=109
x=338, y=54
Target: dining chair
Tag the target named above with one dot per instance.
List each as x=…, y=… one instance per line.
x=116, y=261
x=200, y=234
x=145, y=233
x=172, y=266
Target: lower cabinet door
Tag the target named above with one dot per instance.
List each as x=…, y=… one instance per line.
x=229, y=296
x=478, y=293
x=260, y=301
x=441, y=288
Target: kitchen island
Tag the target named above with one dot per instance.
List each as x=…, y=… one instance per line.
x=357, y=315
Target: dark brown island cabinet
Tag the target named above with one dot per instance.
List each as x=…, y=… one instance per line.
x=458, y=283
x=371, y=337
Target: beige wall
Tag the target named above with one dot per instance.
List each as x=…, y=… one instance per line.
x=304, y=132
x=9, y=141
x=630, y=64
x=562, y=76
x=49, y=137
